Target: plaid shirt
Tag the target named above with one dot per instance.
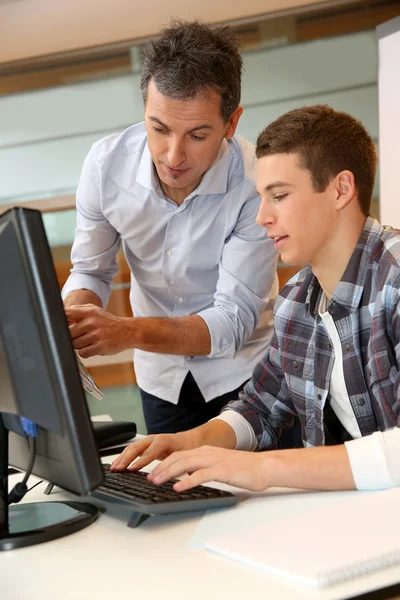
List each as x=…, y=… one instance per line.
x=293, y=376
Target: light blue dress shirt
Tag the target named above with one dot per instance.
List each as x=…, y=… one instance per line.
x=206, y=257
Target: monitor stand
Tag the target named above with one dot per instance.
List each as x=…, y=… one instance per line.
x=36, y=522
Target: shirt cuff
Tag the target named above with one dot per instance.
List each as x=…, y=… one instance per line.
x=78, y=281
x=222, y=340
x=245, y=436
x=373, y=457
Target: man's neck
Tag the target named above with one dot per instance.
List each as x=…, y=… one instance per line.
x=332, y=260
x=178, y=195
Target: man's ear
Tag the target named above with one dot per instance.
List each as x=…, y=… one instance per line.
x=233, y=120
x=346, y=188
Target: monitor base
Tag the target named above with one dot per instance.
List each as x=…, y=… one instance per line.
x=37, y=522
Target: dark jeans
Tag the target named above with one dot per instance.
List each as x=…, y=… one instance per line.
x=191, y=411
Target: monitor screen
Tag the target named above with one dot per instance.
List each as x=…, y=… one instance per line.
x=39, y=376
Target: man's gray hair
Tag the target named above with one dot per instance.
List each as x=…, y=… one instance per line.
x=189, y=59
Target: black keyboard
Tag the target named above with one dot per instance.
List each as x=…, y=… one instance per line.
x=133, y=488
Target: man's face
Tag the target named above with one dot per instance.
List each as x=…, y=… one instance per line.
x=300, y=220
x=184, y=138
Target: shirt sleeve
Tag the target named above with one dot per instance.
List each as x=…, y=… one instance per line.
x=265, y=401
x=246, y=281
x=96, y=242
x=374, y=460
x=245, y=436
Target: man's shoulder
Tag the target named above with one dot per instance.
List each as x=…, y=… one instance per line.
x=129, y=142
x=243, y=163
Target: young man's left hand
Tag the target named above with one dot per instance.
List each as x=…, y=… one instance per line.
x=242, y=469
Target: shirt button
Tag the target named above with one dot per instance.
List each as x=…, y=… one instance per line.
x=295, y=364
x=319, y=397
x=172, y=281
x=169, y=252
x=347, y=346
x=180, y=299
x=329, y=346
x=188, y=358
x=360, y=401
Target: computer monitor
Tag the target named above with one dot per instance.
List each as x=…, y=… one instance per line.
x=39, y=381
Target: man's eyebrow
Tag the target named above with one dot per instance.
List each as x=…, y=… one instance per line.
x=205, y=126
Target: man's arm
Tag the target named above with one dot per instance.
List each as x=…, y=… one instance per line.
x=79, y=297
x=96, y=332
x=247, y=274
x=95, y=246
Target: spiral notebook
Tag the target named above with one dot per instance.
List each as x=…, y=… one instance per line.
x=329, y=545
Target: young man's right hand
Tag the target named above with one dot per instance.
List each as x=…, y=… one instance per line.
x=157, y=447
x=153, y=447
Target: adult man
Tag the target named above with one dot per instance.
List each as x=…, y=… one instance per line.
x=334, y=357
x=179, y=191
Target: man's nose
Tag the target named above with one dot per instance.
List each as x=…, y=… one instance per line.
x=176, y=153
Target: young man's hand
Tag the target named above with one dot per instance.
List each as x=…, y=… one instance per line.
x=153, y=447
x=160, y=446
x=242, y=469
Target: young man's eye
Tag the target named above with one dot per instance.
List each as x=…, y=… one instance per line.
x=198, y=138
x=159, y=129
x=278, y=197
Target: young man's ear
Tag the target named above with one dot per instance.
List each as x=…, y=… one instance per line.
x=346, y=188
x=233, y=120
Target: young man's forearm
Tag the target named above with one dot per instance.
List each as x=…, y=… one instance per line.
x=213, y=433
x=322, y=468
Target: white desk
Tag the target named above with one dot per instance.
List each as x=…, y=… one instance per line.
x=107, y=560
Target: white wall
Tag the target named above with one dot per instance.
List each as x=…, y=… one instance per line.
x=45, y=135
x=389, y=122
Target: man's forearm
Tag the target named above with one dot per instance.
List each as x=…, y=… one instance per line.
x=79, y=297
x=322, y=468
x=183, y=335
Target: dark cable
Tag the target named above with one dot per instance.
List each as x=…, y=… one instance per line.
x=38, y=483
x=20, y=488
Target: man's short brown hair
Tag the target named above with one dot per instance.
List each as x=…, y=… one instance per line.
x=328, y=141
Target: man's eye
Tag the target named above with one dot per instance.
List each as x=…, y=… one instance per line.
x=279, y=197
x=159, y=129
x=197, y=138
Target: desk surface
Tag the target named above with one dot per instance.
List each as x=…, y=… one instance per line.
x=107, y=560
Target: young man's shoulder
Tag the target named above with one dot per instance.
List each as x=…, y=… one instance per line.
x=385, y=257
x=296, y=289
x=388, y=247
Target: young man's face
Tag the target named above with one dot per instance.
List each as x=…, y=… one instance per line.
x=300, y=220
x=184, y=138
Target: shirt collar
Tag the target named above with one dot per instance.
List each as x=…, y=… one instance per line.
x=215, y=180
x=349, y=290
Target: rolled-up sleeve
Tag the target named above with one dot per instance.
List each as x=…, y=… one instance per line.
x=96, y=242
x=247, y=280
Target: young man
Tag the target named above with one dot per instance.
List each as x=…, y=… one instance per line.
x=179, y=191
x=334, y=357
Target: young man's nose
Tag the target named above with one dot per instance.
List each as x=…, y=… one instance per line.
x=265, y=216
